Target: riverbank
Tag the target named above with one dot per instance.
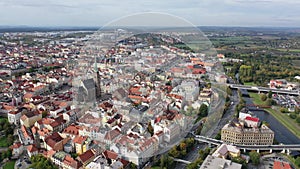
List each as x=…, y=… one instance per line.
x=284, y=119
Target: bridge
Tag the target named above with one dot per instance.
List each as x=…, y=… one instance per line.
x=257, y=105
x=264, y=89
x=281, y=147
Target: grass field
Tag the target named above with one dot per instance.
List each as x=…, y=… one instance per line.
x=250, y=84
x=256, y=98
x=9, y=165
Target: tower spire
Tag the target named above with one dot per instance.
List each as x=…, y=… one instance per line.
x=95, y=64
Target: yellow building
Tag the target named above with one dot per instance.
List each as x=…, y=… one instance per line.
x=80, y=144
x=236, y=133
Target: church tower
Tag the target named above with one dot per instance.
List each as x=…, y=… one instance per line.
x=97, y=79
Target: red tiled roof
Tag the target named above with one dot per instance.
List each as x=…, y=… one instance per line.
x=252, y=119
x=16, y=145
x=80, y=139
x=72, y=129
x=110, y=155
x=32, y=148
x=53, y=139
x=86, y=156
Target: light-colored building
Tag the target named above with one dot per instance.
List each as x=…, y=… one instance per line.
x=225, y=150
x=30, y=118
x=14, y=117
x=236, y=133
x=32, y=150
x=17, y=149
x=212, y=162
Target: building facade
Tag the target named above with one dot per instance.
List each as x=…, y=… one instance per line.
x=236, y=133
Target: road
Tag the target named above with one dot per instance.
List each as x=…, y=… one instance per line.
x=229, y=113
x=193, y=155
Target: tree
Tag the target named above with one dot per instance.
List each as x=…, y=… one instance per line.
x=204, y=153
x=218, y=136
x=254, y=157
x=166, y=162
x=10, y=139
x=39, y=161
x=283, y=110
x=298, y=119
x=297, y=161
x=263, y=97
x=132, y=165
x=150, y=129
x=182, y=146
x=269, y=102
x=240, y=160
x=270, y=94
x=229, y=91
x=293, y=115
x=192, y=166
x=174, y=152
x=44, y=114
x=203, y=110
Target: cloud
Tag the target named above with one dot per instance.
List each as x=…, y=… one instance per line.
x=99, y=12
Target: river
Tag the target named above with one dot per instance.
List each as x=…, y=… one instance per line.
x=282, y=134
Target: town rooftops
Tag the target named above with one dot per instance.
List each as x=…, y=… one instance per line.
x=80, y=139
x=86, y=156
x=32, y=148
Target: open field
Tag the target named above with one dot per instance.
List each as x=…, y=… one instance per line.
x=250, y=84
x=256, y=98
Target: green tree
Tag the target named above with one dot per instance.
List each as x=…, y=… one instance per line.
x=182, y=145
x=229, y=91
x=39, y=161
x=192, y=166
x=284, y=110
x=263, y=97
x=218, y=136
x=297, y=161
x=189, y=143
x=150, y=129
x=174, y=152
x=166, y=162
x=240, y=160
x=254, y=157
x=269, y=102
x=203, y=110
x=298, y=119
x=132, y=165
x=44, y=114
x=293, y=115
x=10, y=139
x=270, y=94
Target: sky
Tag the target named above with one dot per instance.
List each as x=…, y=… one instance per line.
x=248, y=13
